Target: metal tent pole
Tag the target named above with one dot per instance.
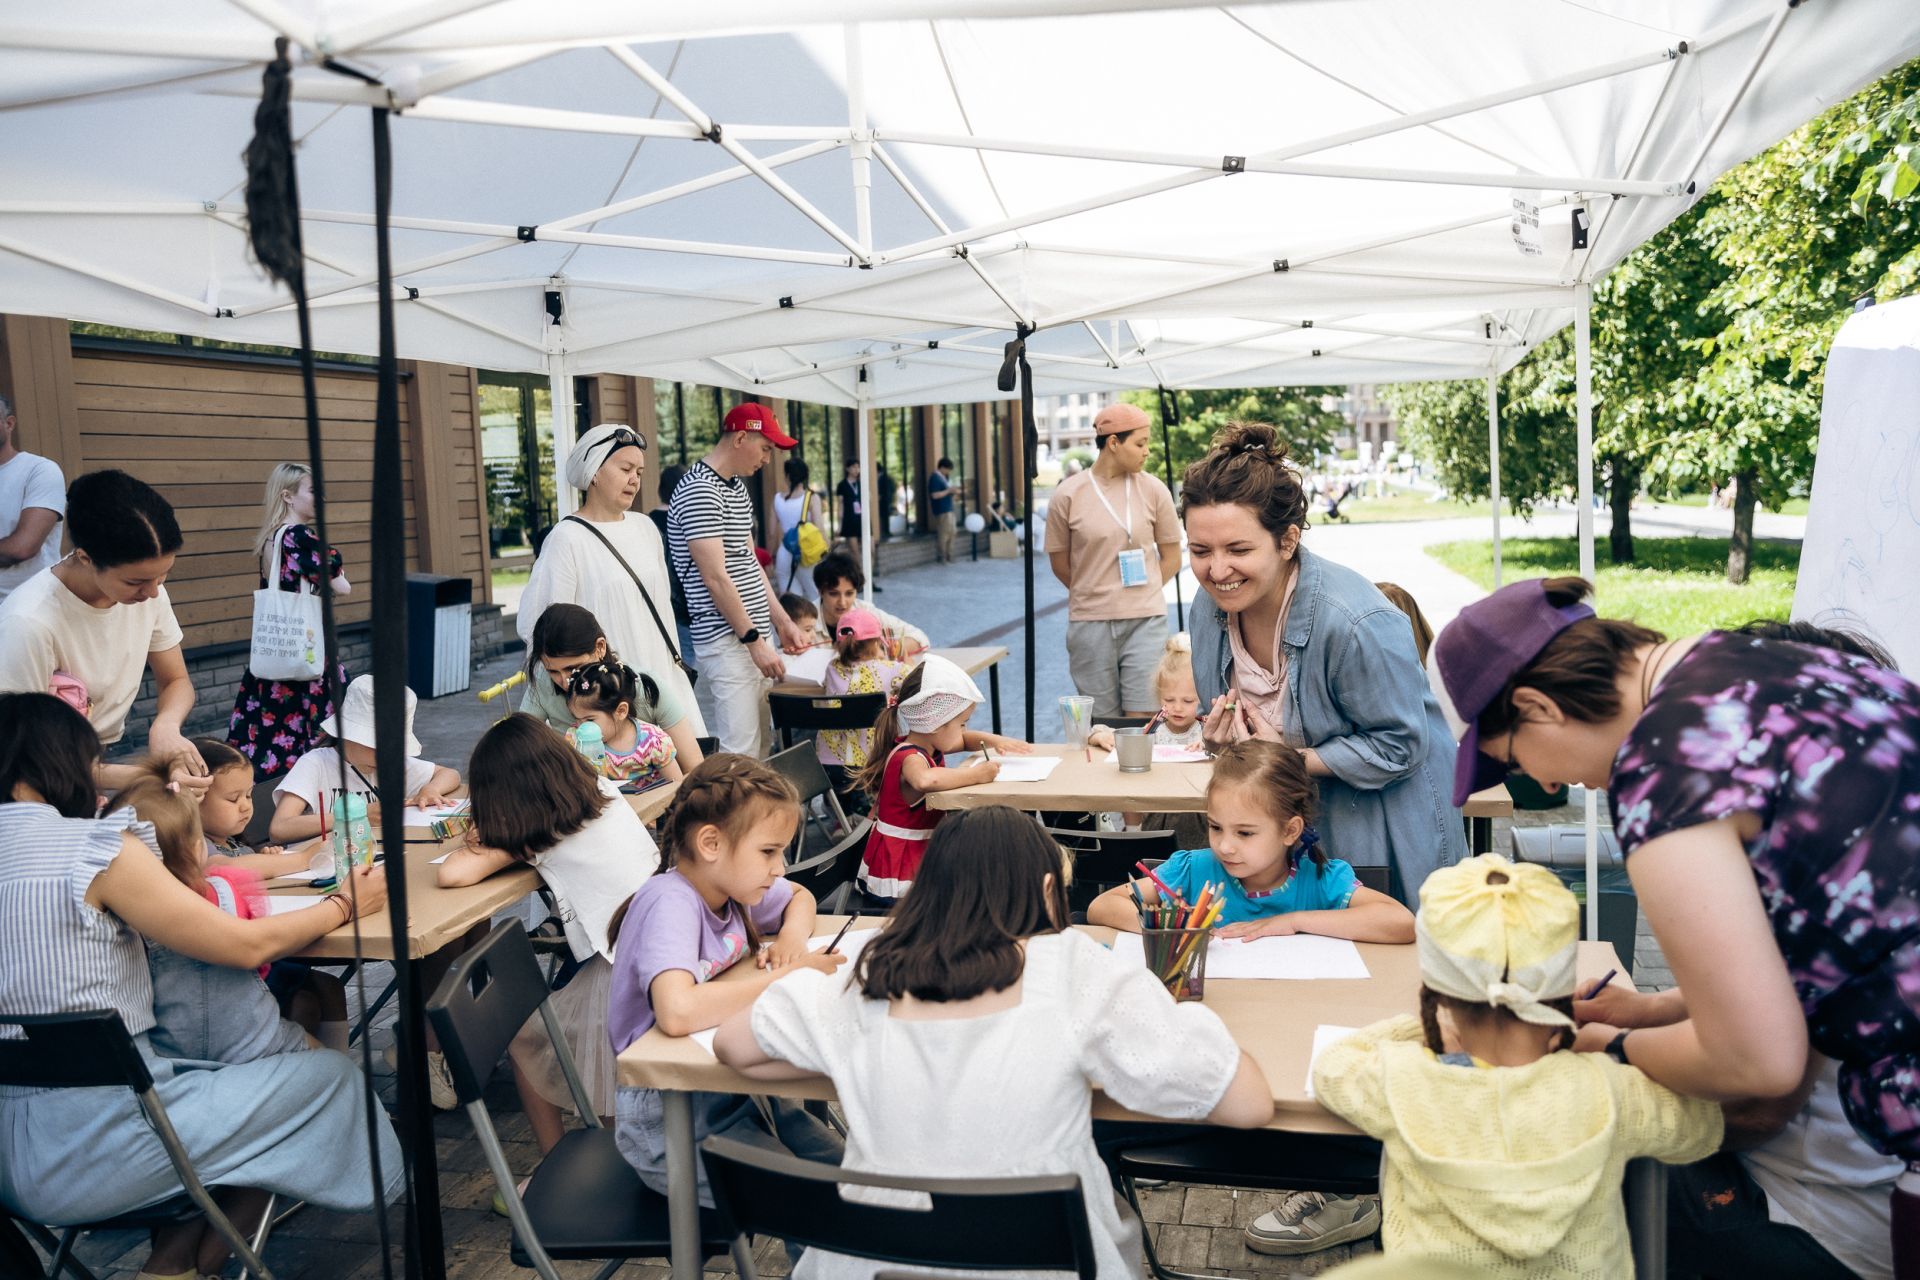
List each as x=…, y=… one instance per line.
x=1169, y=415
x=566, y=498
x=1493, y=466
x=869, y=517
x=1583, y=463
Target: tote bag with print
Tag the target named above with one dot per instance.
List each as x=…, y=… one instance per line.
x=286, y=628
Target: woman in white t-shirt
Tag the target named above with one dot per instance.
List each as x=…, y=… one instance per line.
x=594, y=562
x=100, y=619
x=987, y=1069
x=538, y=803
x=790, y=508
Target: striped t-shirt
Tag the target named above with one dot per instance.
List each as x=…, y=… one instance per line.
x=707, y=505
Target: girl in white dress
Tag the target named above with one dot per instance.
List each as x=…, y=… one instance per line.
x=970, y=1035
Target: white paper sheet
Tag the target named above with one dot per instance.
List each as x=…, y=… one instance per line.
x=418, y=817
x=850, y=946
x=705, y=1039
x=434, y=862
x=1026, y=768
x=302, y=877
x=1168, y=753
x=1299, y=957
x=809, y=667
x=1324, y=1035
x=281, y=903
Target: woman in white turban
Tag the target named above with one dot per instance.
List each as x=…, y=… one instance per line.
x=609, y=560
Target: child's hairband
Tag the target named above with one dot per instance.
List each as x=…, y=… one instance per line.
x=174, y=786
x=1304, y=845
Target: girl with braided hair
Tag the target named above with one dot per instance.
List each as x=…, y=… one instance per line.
x=717, y=898
x=1294, y=649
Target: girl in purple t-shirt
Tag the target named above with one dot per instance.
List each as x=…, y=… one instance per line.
x=718, y=897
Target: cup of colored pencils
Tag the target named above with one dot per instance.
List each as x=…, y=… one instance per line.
x=1174, y=935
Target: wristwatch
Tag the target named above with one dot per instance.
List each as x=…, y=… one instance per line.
x=753, y=634
x=1617, y=1049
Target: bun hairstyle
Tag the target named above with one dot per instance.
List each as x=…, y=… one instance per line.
x=728, y=791
x=1176, y=660
x=605, y=684
x=1247, y=466
x=155, y=798
x=1578, y=668
x=1277, y=775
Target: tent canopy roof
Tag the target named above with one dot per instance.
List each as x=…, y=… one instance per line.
x=1179, y=195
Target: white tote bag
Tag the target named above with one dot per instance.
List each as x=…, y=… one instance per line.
x=286, y=627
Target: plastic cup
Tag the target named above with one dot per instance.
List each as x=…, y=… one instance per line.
x=1133, y=748
x=1076, y=718
x=1178, y=957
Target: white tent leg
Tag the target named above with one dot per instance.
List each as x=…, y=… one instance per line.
x=1583, y=463
x=566, y=498
x=862, y=148
x=870, y=517
x=1493, y=466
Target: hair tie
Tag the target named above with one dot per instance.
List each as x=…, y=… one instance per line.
x=1304, y=845
x=174, y=786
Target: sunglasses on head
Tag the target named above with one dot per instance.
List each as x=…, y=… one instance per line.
x=621, y=439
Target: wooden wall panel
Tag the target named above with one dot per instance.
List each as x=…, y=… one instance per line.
x=36, y=373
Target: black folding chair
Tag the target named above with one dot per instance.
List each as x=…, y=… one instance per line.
x=93, y=1050
x=1266, y=1160
x=802, y=715
x=984, y=1224
x=1122, y=722
x=585, y=1200
x=708, y=746
x=1103, y=859
x=800, y=765
x=259, y=826
x=829, y=876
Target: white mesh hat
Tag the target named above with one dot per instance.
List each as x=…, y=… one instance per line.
x=354, y=723
x=945, y=692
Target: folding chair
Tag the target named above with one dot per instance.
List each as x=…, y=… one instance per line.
x=708, y=746
x=1123, y=722
x=258, y=826
x=585, y=1200
x=1337, y=1164
x=93, y=1050
x=801, y=715
x=1103, y=859
x=800, y=765
x=829, y=876
x=973, y=1224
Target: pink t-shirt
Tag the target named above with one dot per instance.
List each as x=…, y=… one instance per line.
x=1263, y=684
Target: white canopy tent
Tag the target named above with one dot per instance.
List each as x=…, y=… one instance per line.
x=857, y=209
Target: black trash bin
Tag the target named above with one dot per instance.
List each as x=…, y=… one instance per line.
x=439, y=634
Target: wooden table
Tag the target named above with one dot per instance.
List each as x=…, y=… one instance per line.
x=972, y=660
x=1273, y=1021
x=437, y=916
x=1481, y=808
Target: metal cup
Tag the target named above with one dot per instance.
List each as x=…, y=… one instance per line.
x=1076, y=718
x=1133, y=748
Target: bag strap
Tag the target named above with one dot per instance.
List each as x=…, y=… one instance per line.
x=614, y=551
x=270, y=564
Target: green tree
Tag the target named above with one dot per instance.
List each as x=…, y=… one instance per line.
x=1304, y=416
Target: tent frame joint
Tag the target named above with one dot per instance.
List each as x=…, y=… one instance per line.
x=1281, y=266
x=527, y=234
x=1233, y=164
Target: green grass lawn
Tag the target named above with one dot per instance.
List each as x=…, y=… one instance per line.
x=1678, y=585
x=511, y=577
x=1791, y=507
x=1407, y=504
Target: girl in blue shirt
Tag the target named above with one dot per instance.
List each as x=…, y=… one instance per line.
x=1267, y=861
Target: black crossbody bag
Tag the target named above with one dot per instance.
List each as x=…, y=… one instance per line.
x=665, y=635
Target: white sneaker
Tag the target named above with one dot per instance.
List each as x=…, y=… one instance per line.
x=1308, y=1221
x=439, y=1079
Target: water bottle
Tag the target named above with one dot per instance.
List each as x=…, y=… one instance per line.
x=586, y=737
x=352, y=833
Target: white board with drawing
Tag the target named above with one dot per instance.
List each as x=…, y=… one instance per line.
x=1860, y=563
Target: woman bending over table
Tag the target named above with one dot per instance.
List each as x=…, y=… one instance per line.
x=77, y=895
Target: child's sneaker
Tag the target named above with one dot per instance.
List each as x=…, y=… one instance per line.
x=439, y=1079
x=1308, y=1221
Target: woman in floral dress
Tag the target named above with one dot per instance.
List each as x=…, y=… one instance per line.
x=1767, y=796
x=275, y=721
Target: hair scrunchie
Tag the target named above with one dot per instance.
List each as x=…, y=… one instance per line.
x=1304, y=845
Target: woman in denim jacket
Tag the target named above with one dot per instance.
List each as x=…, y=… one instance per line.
x=1293, y=648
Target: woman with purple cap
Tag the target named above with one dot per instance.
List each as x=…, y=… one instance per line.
x=1767, y=796
x=1293, y=648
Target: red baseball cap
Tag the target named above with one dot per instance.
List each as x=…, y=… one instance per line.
x=757, y=417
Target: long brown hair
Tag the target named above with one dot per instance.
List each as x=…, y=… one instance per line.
x=154, y=797
x=530, y=788
x=1578, y=668
x=728, y=791
x=1276, y=775
x=1402, y=599
x=1471, y=1013
x=886, y=734
x=1247, y=466
x=980, y=889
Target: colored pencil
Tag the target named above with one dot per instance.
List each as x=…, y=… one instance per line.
x=833, y=946
x=1161, y=885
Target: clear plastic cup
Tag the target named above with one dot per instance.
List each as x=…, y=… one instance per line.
x=1076, y=718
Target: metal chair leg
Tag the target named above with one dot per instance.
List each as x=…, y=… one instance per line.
x=267, y=1221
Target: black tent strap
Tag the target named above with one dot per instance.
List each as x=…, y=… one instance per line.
x=1169, y=418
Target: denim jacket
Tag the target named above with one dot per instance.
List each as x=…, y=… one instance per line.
x=1357, y=695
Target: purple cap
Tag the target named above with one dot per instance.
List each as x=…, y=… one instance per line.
x=1487, y=644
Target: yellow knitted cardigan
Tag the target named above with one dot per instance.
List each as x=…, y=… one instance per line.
x=1514, y=1170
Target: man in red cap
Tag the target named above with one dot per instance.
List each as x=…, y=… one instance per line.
x=734, y=618
x=1114, y=540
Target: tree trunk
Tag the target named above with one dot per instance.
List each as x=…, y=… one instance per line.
x=1621, y=484
x=1740, y=547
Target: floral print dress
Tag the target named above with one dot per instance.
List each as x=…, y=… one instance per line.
x=274, y=722
x=1825, y=750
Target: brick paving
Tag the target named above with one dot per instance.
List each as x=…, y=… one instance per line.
x=1193, y=1227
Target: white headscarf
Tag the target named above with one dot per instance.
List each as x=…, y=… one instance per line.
x=592, y=450
x=945, y=692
